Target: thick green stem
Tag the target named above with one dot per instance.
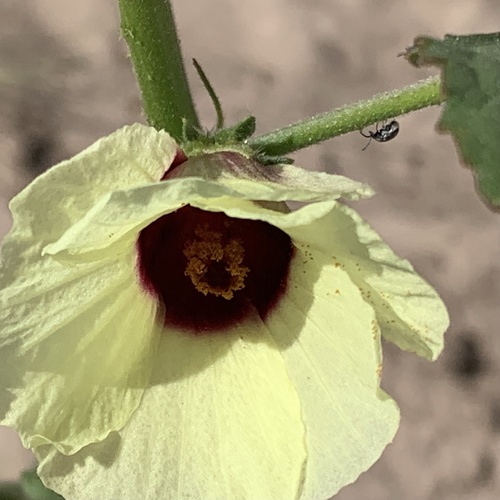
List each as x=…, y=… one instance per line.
x=349, y=118
x=148, y=26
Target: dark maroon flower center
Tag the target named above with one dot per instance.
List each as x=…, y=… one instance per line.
x=209, y=270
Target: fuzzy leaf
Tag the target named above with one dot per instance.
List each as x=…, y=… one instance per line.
x=470, y=75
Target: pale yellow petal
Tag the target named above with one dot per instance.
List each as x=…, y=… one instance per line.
x=118, y=217
x=271, y=182
x=75, y=348
x=120, y=214
x=131, y=156
x=335, y=366
x=410, y=312
x=221, y=421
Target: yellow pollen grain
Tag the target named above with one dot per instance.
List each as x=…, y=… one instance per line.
x=209, y=249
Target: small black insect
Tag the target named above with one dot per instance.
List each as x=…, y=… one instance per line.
x=384, y=134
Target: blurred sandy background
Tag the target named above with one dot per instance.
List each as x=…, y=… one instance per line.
x=65, y=81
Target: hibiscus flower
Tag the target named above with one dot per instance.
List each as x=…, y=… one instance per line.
x=169, y=329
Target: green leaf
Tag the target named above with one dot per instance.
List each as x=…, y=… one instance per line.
x=470, y=81
x=34, y=489
x=11, y=491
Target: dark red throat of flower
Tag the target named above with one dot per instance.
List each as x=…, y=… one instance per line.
x=209, y=270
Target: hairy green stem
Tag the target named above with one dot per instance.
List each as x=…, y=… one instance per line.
x=349, y=118
x=148, y=27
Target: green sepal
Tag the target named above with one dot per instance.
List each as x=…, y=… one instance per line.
x=197, y=142
x=211, y=92
x=239, y=132
x=264, y=159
